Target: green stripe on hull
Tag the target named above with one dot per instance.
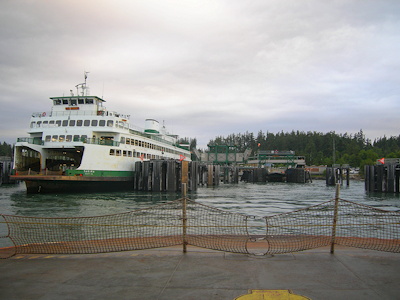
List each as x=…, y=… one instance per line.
x=99, y=173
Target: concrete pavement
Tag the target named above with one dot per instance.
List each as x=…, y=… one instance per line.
x=167, y=273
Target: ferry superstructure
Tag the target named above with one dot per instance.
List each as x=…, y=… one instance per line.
x=81, y=145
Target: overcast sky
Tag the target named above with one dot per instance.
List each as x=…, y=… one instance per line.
x=208, y=68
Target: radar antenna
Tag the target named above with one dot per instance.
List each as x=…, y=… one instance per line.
x=82, y=86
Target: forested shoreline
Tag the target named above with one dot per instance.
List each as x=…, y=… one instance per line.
x=317, y=147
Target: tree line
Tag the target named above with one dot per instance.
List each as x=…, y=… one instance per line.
x=6, y=149
x=318, y=148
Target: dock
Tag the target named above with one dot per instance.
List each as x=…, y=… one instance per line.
x=167, y=273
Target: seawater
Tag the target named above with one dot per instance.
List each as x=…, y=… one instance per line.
x=259, y=200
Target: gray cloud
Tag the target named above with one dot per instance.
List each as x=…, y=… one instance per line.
x=208, y=68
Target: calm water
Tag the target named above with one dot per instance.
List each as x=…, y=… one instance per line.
x=261, y=199
x=246, y=198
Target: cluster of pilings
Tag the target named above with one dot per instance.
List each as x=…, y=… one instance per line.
x=382, y=178
x=254, y=175
x=298, y=175
x=294, y=175
x=169, y=175
x=165, y=175
x=336, y=174
x=216, y=174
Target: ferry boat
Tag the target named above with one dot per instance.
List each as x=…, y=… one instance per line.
x=81, y=145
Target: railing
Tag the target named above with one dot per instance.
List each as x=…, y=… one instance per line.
x=30, y=140
x=79, y=113
x=94, y=141
x=184, y=221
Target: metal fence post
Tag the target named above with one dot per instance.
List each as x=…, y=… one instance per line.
x=335, y=216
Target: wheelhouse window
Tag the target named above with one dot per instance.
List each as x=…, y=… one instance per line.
x=65, y=101
x=102, y=123
x=89, y=101
x=65, y=123
x=71, y=122
x=94, y=122
x=57, y=102
x=81, y=101
x=33, y=124
x=110, y=123
x=86, y=123
x=79, y=122
x=73, y=102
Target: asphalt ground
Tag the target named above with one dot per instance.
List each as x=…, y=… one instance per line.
x=168, y=273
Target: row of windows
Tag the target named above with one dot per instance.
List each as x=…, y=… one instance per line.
x=72, y=123
x=127, y=153
x=118, y=152
x=139, y=143
x=72, y=102
x=66, y=138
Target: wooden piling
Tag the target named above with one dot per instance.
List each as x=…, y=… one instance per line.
x=335, y=215
x=184, y=217
x=210, y=175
